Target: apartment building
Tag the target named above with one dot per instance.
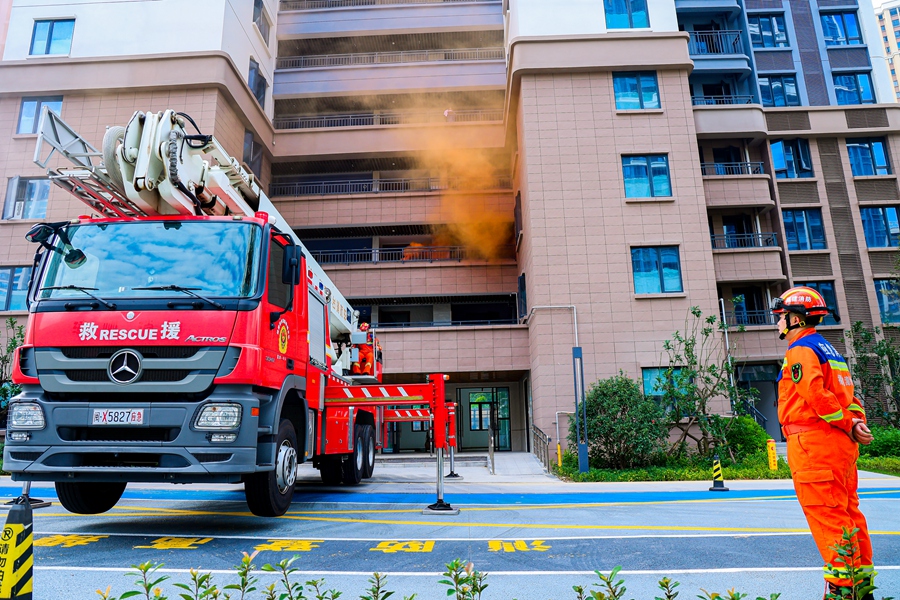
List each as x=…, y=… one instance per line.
x=491, y=183
x=888, y=15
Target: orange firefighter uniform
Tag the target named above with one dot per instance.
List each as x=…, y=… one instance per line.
x=816, y=408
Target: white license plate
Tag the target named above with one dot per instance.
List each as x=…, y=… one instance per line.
x=118, y=416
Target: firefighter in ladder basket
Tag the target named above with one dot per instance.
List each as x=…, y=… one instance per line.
x=823, y=423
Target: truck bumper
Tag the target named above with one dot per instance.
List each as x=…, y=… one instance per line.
x=165, y=448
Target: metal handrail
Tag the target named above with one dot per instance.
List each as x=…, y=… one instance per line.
x=390, y=118
x=375, y=255
x=381, y=186
x=484, y=323
x=541, y=445
x=732, y=168
x=744, y=240
x=715, y=42
x=750, y=318
x=317, y=4
x=721, y=100
x=389, y=58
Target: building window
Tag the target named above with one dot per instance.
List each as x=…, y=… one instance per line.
x=635, y=91
x=14, y=287
x=791, y=159
x=261, y=20
x=30, y=112
x=768, y=31
x=656, y=269
x=26, y=198
x=826, y=289
x=881, y=226
x=804, y=229
x=779, y=90
x=655, y=380
x=895, y=22
x=626, y=14
x=646, y=176
x=854, y=88
x=888, y=300
x=253, y=153
x=868, y=156
x=841, y=29
x=52, y=37
x=479, y=416
x=257, y=83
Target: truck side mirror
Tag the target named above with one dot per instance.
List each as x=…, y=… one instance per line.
x=290, y=271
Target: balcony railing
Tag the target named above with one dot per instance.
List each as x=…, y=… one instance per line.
x=721, y=100
x=389, y=58
x=445, y=324
x=734, y=318
x=314, y=4
x=732, y=168
x=382, y=186
x=715, y=42
x=390, y=255
x=744, y=240
x=396, y=118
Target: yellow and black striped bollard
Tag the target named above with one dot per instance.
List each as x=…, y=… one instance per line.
x=718, y=481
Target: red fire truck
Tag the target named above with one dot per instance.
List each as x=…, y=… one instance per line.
x=181, y=333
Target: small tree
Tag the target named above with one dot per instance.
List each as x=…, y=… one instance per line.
x=875, y=365
x=625, y=428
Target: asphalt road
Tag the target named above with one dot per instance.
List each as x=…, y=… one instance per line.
x=534, y=539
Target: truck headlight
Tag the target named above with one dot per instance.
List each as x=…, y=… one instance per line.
x=26, y=415
x=219, y=416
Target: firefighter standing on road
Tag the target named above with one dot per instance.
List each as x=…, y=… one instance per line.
x=823, y=424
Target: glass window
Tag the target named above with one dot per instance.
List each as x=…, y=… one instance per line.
x=895, y=22
x=888, y=300
x=14, y=287
x=854, y=88
x=654, y=379
x=279, y=292
x=26, y=198
x=52, y=37
x=868, y=156
x=656, y=269
x=635, y=91
x=826, y=288
x=253, y=152
x=261, y=20
x=646, y=176
x=841, y=29
x=767, y=31
x=30, y=112
x=804, y=229
x=791, y=159
x=257, y=83
x=881, y=226
x=479, y=416
x=626, y=14
x=779, y=90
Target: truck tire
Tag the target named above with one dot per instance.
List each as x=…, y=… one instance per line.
x=352, y=468
x=89, y=497
x=330, y=470
x=269, y=494
x=369, y=450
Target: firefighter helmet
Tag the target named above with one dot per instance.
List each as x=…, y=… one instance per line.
x=363, y=326
x=801, y=300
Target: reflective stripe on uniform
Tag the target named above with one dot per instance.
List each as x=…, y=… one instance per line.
x=835, y=416
x=839, y=365
x=857, y=408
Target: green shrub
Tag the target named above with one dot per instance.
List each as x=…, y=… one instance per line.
x=745, y=437
x=889, y=465
x=886, y=443
x=625, y=427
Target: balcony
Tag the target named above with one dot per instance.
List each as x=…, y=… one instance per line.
x=732, y=168
x=716, y=7
x=381, y=186
x=389, y=118
x=732, y=241
x=757, y=343
x=408, y=255
x=750, y=318
x=289, y=5
x=728, y=100
x=718, y=51
x=440, y=278
x=421, y=324
x=741, y=190
x=388, y=58
x=746, y=264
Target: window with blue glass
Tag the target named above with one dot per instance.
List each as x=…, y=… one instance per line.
x=881, y=226
x=26, y=198
x=656, y=270
x=52, y=37
x=257, y=83
x=826, y=289
x=804, y=229
x=655, y=379
x=791, y=159
x=626, y=14
x=868, y=156
x=767, y=31
x=779, y=90
x=14, y=287
x=635, y=91
x=841, y=29
x=646, y=176
x=854, y=88
x=888, y=294
x=30, y=112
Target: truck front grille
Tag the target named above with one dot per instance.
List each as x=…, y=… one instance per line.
x=146, y=351
x=148, y=376
x=118, y=434
x=116, y=460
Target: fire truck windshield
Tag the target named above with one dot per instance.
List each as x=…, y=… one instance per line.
x=216, y=258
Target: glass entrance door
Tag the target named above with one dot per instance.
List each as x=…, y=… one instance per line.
x=483, y=410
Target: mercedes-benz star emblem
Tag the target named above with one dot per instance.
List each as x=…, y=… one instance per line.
x=124, y=367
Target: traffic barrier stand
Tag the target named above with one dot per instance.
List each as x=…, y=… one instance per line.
x=718, y=481
x=17, y=549
x=451, y=439
x=440, y=507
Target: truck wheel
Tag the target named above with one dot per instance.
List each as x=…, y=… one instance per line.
x=330, y=470
x=89, y=497
x=269, y=494
x=352, y=468
x=368, y=436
